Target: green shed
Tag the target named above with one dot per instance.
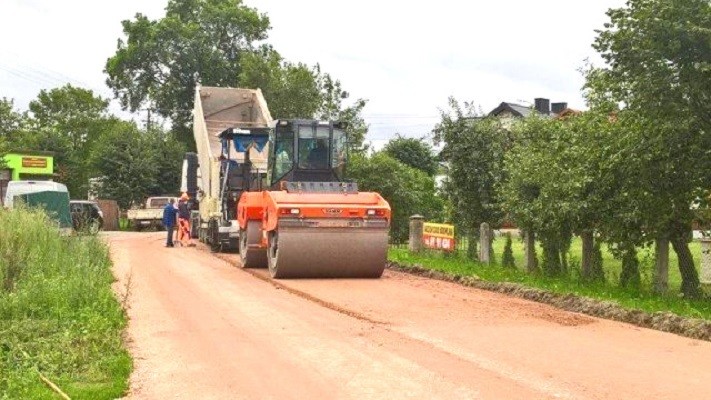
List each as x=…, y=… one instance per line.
x=56, y=204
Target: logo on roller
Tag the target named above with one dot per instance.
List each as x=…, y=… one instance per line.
x=332, y=211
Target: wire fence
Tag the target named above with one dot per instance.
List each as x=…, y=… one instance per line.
x=463, y=245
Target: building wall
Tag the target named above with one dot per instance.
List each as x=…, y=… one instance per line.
x=20, y=164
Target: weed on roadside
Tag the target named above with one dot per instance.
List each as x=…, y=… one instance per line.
x=58, y=315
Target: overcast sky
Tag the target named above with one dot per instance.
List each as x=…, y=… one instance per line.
x=405, y=58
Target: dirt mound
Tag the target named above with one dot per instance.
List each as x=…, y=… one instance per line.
x=663, y=321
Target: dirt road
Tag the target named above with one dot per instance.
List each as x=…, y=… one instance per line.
x=202, y=328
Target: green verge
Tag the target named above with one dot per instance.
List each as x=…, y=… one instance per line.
x=644, y=299
x=58, y=314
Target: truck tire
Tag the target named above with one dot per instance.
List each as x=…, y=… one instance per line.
x=194, y=224
x=213, y=235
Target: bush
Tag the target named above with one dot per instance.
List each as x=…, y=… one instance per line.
x=507, y=260
x=58, y=314
x=408, y=190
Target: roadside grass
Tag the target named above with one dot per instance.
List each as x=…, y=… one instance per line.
x=124, y=224
x=644, y=299
x=58, y=314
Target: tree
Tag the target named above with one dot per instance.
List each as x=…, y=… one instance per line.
x=409, y=191
x=473, y=153
x=658, y=67
x=4, y=148
x=537, y=192
x=167, y=154
x=507, y=259
x=198, y=41
x=413, y=152
x=658, y=57
x=332, y=108
x=68, y=121
x=125, y=164
x=291, y=90
x=11, y=121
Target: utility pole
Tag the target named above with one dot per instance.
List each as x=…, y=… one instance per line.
x=148, y=119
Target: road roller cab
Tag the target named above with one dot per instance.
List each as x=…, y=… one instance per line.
x=311, y=223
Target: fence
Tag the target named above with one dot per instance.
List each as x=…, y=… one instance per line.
x=462, y=242
x=110, y=209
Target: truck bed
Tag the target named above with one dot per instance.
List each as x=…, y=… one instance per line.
x=217, y=109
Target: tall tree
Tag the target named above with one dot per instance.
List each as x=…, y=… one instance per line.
x=413, y=152
x=659, y=66
x=124, y=164
x=537, y=193
x=11, y=122
x=197, y=41
x=474, y=156
x=68, y=121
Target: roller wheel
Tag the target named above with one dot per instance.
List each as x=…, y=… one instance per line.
x=251, y=257
x=273, y=255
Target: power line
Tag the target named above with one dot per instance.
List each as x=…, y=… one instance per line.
x=26, y=76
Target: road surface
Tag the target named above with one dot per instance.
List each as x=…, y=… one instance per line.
x=203, y=328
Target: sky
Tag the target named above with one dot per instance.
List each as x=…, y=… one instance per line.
x=405, y=57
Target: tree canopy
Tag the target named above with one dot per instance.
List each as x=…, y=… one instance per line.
x=658, y=56
x=473, y=153
x=413, y=152
x=218, y=43
x=159, y=63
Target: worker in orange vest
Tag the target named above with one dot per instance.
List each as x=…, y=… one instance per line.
x=184, y=237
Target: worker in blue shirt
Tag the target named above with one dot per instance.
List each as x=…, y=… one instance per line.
x=169, y=217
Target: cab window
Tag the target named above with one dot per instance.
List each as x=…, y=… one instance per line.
x=339, y=155
x=283, y=155
x=314, y=149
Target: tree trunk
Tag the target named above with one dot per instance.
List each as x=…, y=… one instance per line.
x=472, y=252
x=531, y=261
x=586, y=264
x=598, y=274
x=629, y=278
x=661, y=270
x=492, y=255
x=689, y=275
x=564, y=262
x=551, y=258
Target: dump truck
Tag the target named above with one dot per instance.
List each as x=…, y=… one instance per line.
x=282, y=192
x=209, y=176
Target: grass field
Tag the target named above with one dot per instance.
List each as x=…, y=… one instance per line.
x=612, y=266
x=643, y=299
x=58, y=315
